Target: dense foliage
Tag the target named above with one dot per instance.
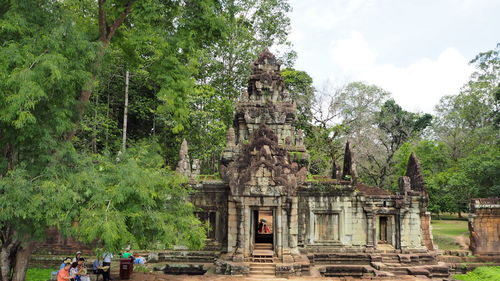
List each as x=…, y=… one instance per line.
x=66, y=69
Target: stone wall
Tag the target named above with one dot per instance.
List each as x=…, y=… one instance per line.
x=484, y=226
x=341, y=202
x=211, y=197
x=425, y=225
x=411, y=229
x=57, y=244
x=358, y=217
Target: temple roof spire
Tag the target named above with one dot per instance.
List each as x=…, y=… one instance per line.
x=414, y=172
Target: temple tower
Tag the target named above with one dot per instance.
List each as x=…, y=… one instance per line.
x=263, y=164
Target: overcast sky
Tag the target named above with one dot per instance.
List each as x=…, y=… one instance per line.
x=417, y=49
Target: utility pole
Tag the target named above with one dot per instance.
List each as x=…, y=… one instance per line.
x=125, y=113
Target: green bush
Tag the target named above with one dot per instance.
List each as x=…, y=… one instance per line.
x=483, y=273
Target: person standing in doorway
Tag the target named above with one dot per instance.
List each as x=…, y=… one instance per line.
x=266, y=228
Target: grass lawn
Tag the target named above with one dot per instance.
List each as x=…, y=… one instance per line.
x=38, y=274
x=490, y=273
x=445, y=231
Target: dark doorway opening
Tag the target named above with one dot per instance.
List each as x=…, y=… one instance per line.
x=383, y=230
x=264, y=227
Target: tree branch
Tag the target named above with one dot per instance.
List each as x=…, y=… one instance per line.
x=103, y=26
x=119, y=20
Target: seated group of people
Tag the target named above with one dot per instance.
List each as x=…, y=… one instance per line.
x=76, y=270
x=73, y=269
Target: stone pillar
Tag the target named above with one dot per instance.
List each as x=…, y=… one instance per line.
x=241, y=228
x=232, y=227
x=246, y=232
x=310, y=234
x=279, y=231
x=293, y=226
x=397, y=226
x=369, y=230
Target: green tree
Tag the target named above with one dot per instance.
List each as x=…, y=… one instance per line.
x=340, y=114
x=435, y=162
x=470, y=118
x=396, y=126
x=300, y=86
x=131, y=199
x=48, y=54
x=468, y=124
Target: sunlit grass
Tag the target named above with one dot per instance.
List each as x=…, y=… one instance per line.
x=445, y=232
x=490, y=273
x=38, y=274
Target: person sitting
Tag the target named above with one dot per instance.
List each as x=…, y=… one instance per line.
x=77, y=256
x=73, y=271
x=64, y=262
x=63, y=274
x=82, y=271
x=138, y=259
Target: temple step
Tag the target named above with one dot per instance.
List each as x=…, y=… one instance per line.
x=263, y=246
x=258, y=269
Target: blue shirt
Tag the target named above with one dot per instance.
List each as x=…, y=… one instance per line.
x=96, y=264
x=140, y=260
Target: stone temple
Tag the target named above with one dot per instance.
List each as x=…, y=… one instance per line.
x=266, y=216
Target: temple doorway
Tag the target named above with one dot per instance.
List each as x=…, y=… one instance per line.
x=383, y=229
x=263, y=228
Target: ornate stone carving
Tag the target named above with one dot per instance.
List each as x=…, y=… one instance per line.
x=183, y=166
x=299, y=139
x=231, y=138
x=414, y=172
x=404, y=185
x=349, y=169
x=195, y=168
x=264, y=119
x=263, y=168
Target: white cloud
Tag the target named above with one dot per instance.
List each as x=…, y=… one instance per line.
x=324, y=15
x=417, y=86
x=352, y=54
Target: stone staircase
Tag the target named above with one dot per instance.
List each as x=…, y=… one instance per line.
x=262, y=264
x=263, y=253
x=262, y=270
x=366, y=265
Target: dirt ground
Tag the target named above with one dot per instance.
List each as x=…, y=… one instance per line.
x=163, y=277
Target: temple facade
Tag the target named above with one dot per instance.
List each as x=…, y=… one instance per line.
x=266, y=208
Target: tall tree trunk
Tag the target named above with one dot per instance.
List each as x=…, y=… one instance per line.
x=125, y=113
x=7, y=253
x=22, y=261
x=5, y=263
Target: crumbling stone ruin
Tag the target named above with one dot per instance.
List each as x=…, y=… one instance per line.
x=267, y=211
x=484, y=226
